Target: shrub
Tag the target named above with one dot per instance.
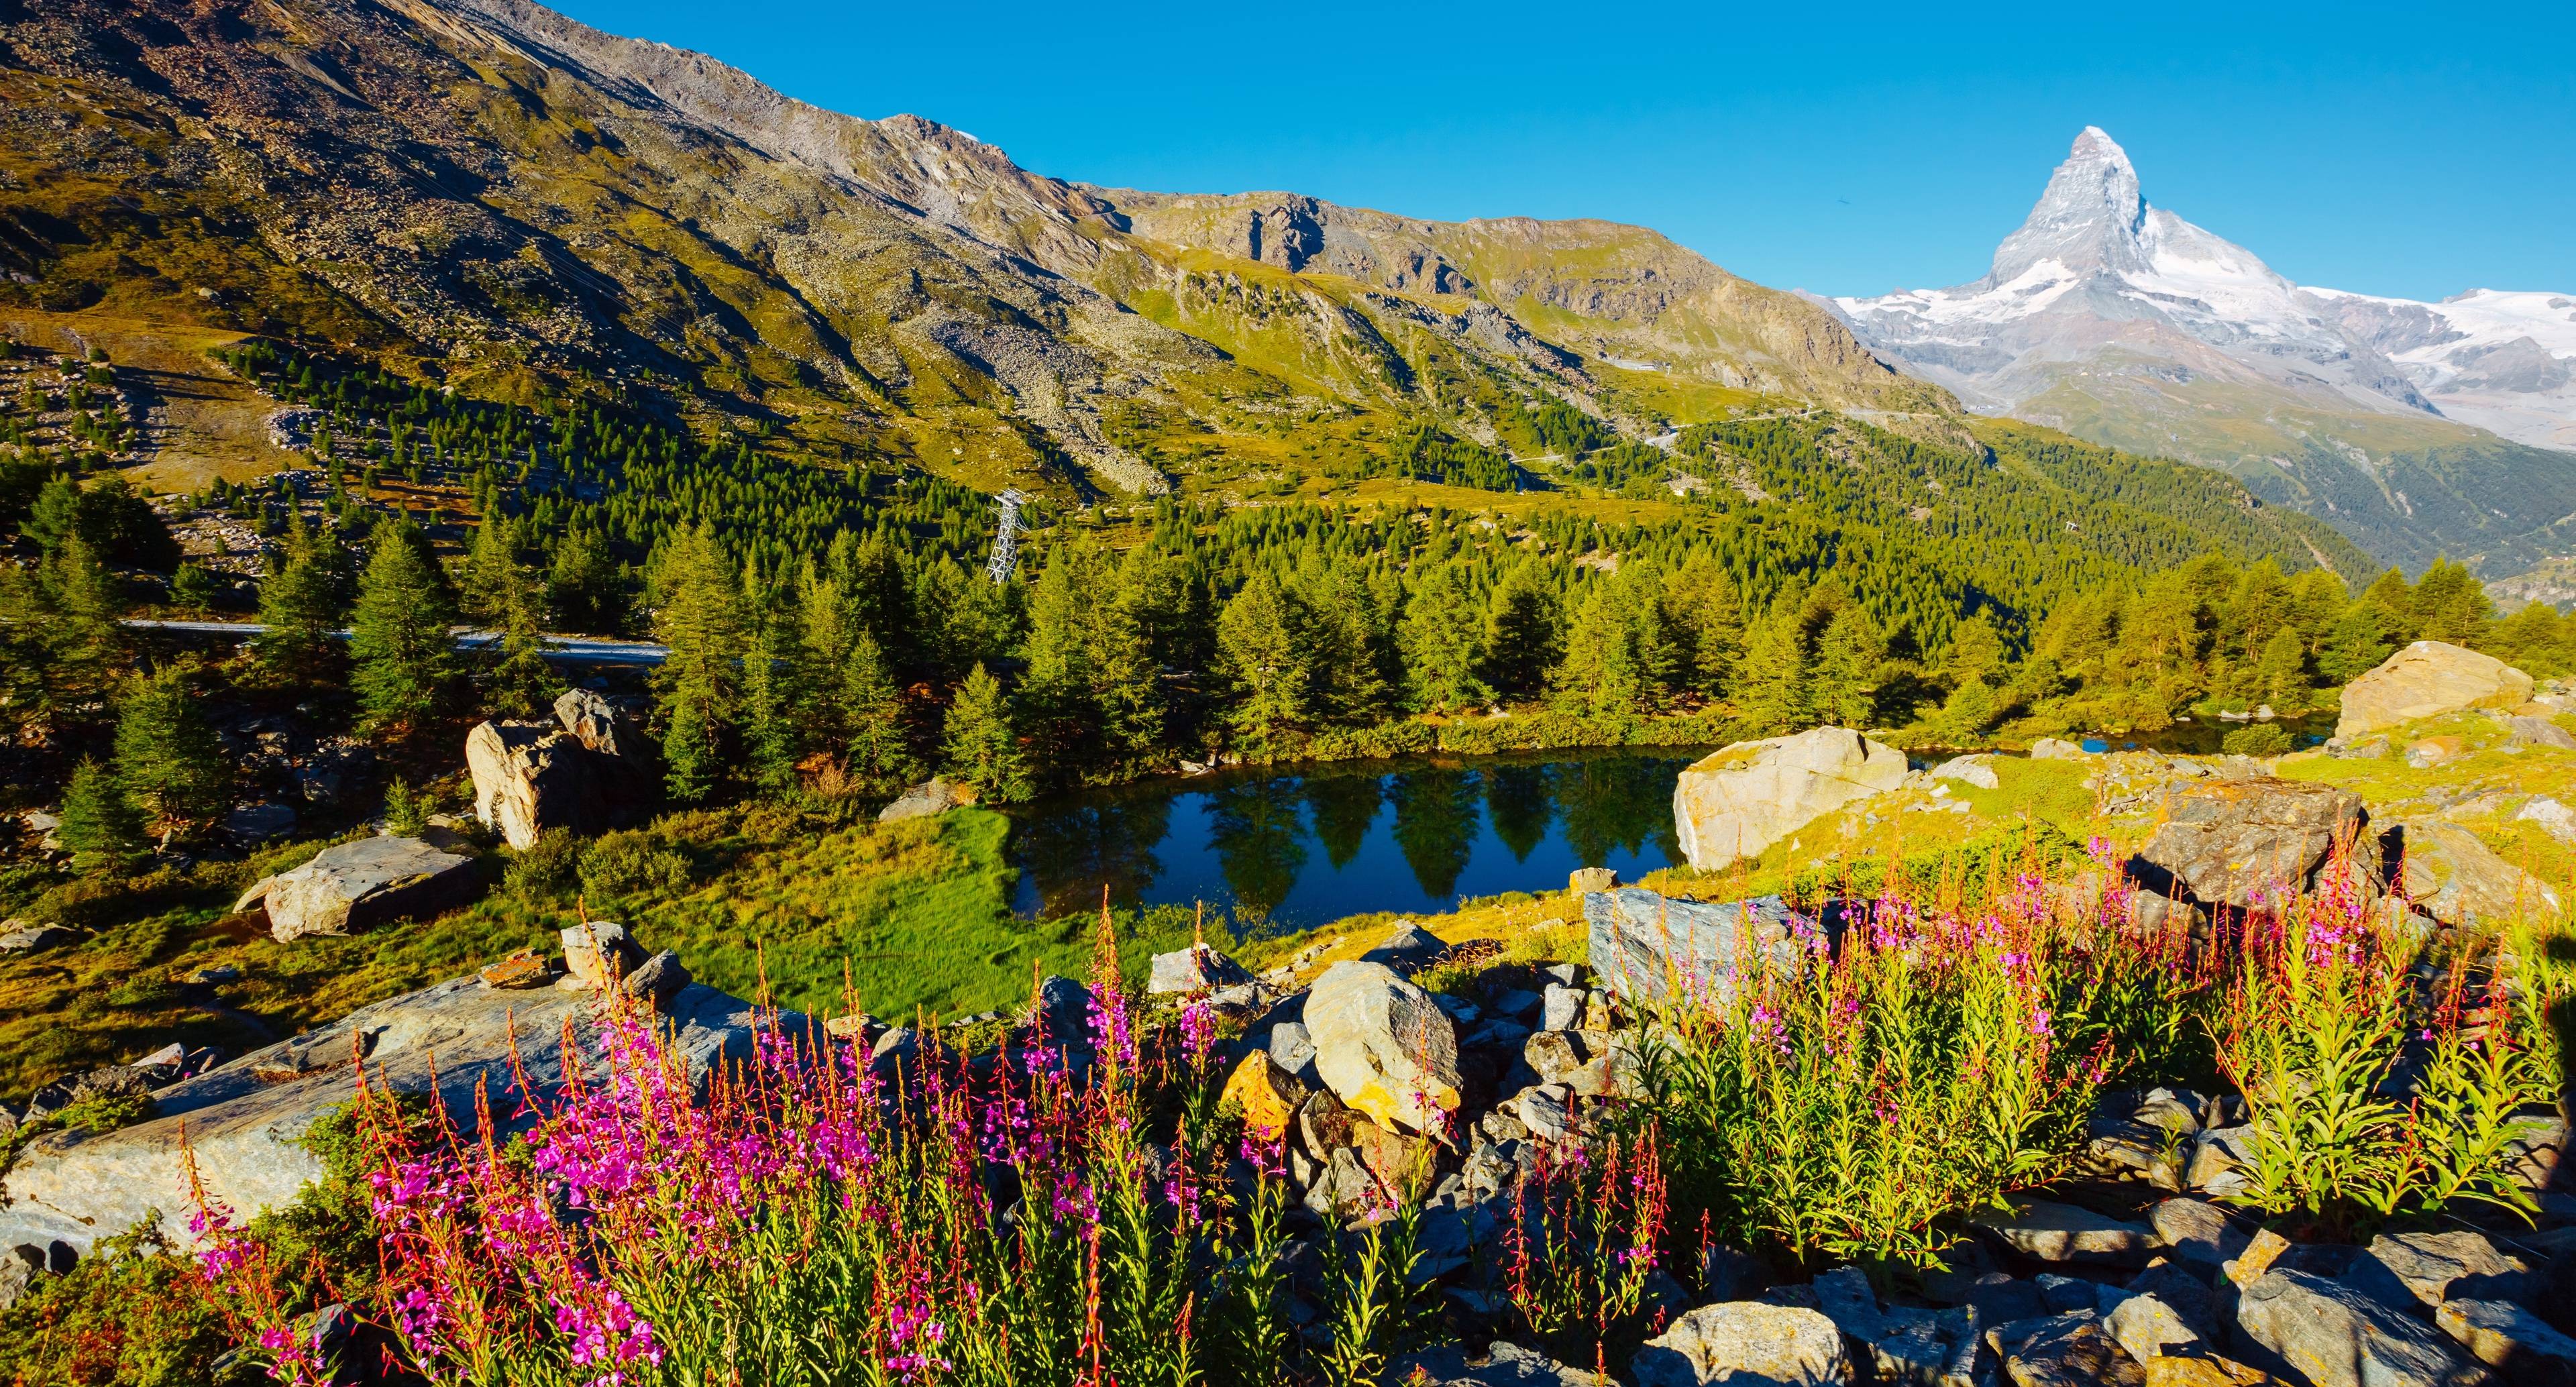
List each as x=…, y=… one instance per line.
x=546, y=872
x=2256, y=739
x=618, y=866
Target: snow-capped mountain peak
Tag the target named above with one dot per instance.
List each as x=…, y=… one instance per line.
x=2092, y=216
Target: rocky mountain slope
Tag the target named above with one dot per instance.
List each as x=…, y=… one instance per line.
x=2125, y=324
x=492, y=187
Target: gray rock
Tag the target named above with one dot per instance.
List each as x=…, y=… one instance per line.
x=1497, y=1034
x=1343, y=1187
x=600, y=726
x=1383, y=1047
x=2450, y=874
x=2197, y=1231
x=1650, y=949
x=1064, y=1005
x=2331, y=1335
x=2003, y=1299
x=1501, y=1365
x=2145, y=1327
x=2051, y=1232
x=1736, y=802
x=933, y=796
x=2063, y=1293
x=1408, y=949
x=1197, y=968
x=2506, y=1336
x=257, y=823
x=1546, y=1110
x=657, y=980
x=1726, y=1273
x=2229, y=841
x=598, y=953
x=1560, y=1008
x=358, y=886
x=2069, y=1350
x=29, y=939
x=1583, y=879
x=2529, y=730
x=1293, y=1050
x=242, y=1120
x=1976, y=768
x=1746, y=1342
x=1520, y=1004
x=2418, y=1271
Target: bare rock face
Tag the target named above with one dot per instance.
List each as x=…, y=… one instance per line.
x=583, y=772
x=1382, y=1046
x=528, y=778
x=244, y=1119
x=1651, y=948
x=2227, y=842
x=358, y=886
x=2449, y=874
x=2425, y=680
x=1740, y=800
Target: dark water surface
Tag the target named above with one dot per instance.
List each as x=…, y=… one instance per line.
x=1281, y=852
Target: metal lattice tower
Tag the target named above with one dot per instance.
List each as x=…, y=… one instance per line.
x=1006, y=539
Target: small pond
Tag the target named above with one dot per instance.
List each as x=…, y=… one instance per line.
x=1279, y=852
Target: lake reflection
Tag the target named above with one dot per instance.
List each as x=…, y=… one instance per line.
x=1282, y=852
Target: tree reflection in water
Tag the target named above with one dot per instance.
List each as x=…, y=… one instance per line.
x=1343, y=807
x=1260, y=843
x=1072, y=850
x=1435, y=825
x=1517, y=804
x=1617, y=803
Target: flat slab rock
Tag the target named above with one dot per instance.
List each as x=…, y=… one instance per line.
x=2232, y=841
x=2052, y=1232
x=244, y=1119
x=1744, y=1341
x=351, y=887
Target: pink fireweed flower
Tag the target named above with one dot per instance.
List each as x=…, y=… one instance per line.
x=1198, y=1033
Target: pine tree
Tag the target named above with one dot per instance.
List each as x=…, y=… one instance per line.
x=1524, y=635
x=1603, y=674
x=400, y=646
x=1772, y=691
x=492, y=580
x=699, y=621
x=83, y=601
x=876, y=750
x=101, y=823
x=1846, y=670
x=1702, y=602
x=166, y=753
x=774, y=737
x=587, y=587
x=982, y=741
x=1443, y=639
x=1258, y=653
x=2281, y=674
x=2451, y=605
x=299, y=605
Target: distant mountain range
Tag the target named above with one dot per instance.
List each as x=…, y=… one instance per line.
x=2413, y=427
x=494, y=188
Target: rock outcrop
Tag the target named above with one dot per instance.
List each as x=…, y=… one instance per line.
x=581, y=773
x=1737, y=801
x=353, y=887
x=2425, y=680
x=243, y=1120
x=932, y=796
x=1652, y=948
x=2228, y=842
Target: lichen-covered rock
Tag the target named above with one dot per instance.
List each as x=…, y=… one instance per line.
x=2445, y=871
x=1382, y=1046
x=1650, y=948
x=2228, y=842
x=1744, y=1342
x=2425, y=680
x=351, y=887
x=1741, y=799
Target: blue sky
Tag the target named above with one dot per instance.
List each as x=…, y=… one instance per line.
x=1843, y=148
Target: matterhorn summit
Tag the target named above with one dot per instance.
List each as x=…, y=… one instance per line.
x=2116, y=320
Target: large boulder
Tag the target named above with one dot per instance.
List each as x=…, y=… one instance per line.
x=1736, y=802
x=1744, y=1341
x=1197, y=968
x=1651, y=948
x=243, y=1121
x=2329, y=1335
x=2425, y=680
x=931, y=797
x=583, y=772
x=357, y=886
x=1383, y=1047
x=2227, y=842
x=2450, y=875
x=530, y=778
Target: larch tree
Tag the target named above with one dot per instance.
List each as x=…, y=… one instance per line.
x=401, y=648
x=699, y=620
x=167, y=754
x=982, y=741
